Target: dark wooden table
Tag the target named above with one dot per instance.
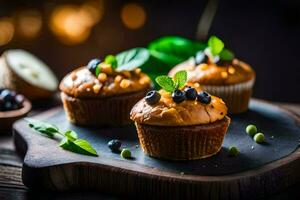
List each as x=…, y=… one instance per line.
x=11, y=186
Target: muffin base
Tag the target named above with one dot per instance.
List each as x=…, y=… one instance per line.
x=235, y=96
x=183, y=142
x=106, y=111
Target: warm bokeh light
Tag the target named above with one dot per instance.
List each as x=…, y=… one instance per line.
x=93, y=11
x=28, y=23
x=133, y=16
x=72, y=24
x=6, y=30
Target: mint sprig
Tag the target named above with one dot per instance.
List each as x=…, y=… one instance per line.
x=128, y=60
x=217, y=48
x=166, y=83
x=169, y=84
x=180, y=78
x=131, y=59
x=46, y=129
x=215, y=44
x=69, y=141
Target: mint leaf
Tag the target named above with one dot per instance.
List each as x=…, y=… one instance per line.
x=215, y=44
x=86, y=146
x=71, y=135
x=110, y=59
x=79, y=146
x=131, y=59
x=64, y=143
x=126, y=56
x=168, y=51
x=70, y=140
x=226, y=54
x=166, y=83
x=180, y=79
x=42, y=127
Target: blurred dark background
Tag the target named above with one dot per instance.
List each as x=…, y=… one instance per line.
x=67, y=33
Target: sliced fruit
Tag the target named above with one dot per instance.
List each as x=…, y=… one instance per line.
x=25, y=73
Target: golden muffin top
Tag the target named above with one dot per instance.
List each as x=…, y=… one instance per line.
x=82, y=83
x=214, y=74
x=215, y=65
x=168, y=113
x=117, y=74
x=183, y=106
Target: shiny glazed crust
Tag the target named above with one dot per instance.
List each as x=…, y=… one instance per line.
x=101, y=111
x=183, y=142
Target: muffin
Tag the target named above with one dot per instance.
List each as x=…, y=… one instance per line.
x=99, y=95
x=222, y=75
x=183, y=124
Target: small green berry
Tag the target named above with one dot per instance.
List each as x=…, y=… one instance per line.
x=251, y=130
x=110, y=59
x=233, y=151
x=125, y=153
x=259, y=137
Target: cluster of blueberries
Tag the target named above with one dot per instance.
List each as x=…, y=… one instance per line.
x=179, y=96
x=10, y=100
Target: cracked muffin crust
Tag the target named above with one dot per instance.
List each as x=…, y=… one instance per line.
x=167, y=113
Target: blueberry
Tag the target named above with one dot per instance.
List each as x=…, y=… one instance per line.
x=114, y=145
x=204, y=97
x=7, y=95
x=8, y=106
x=190, y=93
x=201, y=57
x=92, y=65
x=178, y=96
x=152, y=97
x=14, y=106
x=19, y=99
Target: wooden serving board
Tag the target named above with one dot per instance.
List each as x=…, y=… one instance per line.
x=259, y=169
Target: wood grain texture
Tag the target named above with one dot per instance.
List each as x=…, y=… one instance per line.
x=132, y=179
x=10, y=177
